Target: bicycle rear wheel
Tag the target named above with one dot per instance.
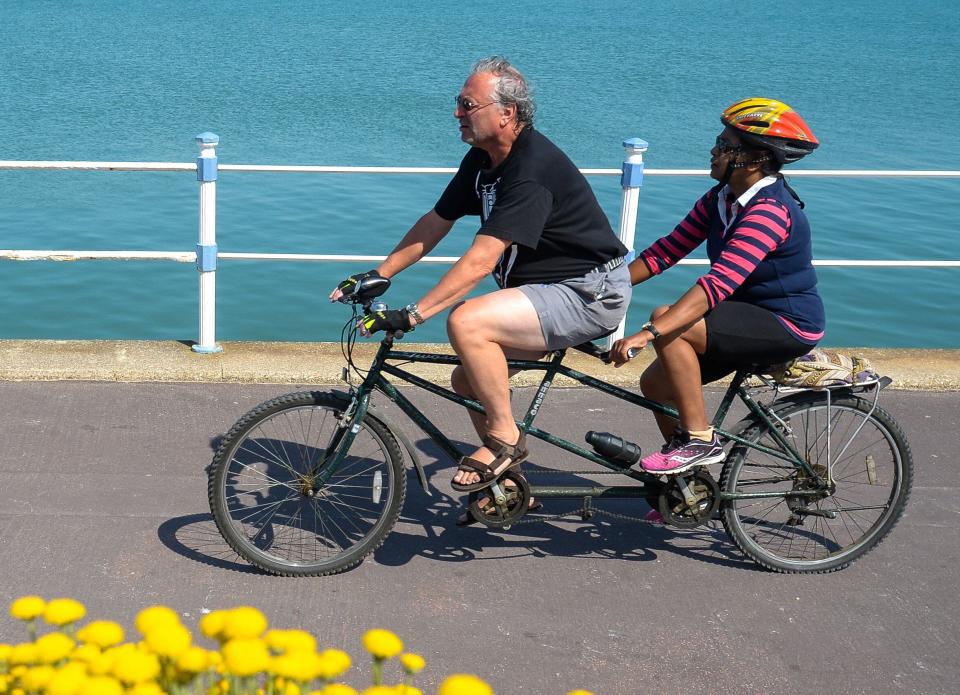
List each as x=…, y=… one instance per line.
x=811, y=527
x=267, y=499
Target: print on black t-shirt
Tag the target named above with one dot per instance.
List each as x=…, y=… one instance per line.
x=538, y=200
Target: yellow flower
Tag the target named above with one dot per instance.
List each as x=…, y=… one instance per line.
x=168, y=640
x=86, y=653
x=464, y=684
x=412, y=663
x=407, y=690
x=150, y=688
x=101, y=685
x=27, y=607
x=219, y=688
x=333, y=662
x=37, y=677
x=193, y=660
x=380, y=690
x=296, y=666
x=382, y=644
x=103, y=664
x=290, y=640
x=579, y=692
x=244, y=622
x=63, y=611
x=289, y=688
x=53, y=647
x=67, y=680
x=24, y=653
x=154, y=617
x=245, y=657
x=103, y=633
x=211, y=625
x=335, y=689
x=133, y=666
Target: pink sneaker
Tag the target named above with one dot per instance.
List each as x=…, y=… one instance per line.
x=695, y=452
x=651, y=462
x=654, y=517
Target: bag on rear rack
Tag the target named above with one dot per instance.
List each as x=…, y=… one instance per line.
x=824, y=369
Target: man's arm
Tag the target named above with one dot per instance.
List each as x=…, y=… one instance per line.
x=423, y=236
x=478, y=262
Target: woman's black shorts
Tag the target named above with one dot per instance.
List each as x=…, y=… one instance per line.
x=740, y=335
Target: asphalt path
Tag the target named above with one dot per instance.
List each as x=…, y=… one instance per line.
x=103, y=498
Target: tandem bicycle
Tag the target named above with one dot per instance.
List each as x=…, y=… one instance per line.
x=310, y=483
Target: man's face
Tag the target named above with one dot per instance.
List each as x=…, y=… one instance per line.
x=479, y=114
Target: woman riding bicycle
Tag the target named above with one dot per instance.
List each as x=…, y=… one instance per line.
x=758, y=304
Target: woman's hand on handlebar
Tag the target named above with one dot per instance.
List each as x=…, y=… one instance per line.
x=346, y=288
x=627, y=348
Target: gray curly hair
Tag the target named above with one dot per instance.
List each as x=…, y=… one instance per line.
x=511, y=87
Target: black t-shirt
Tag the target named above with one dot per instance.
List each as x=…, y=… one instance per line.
x=538, y=200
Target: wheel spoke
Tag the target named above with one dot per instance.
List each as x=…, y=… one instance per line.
x=270, y=505
x=828, y=521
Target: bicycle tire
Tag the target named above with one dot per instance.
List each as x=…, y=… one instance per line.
x=794, y=534
x=265, y=500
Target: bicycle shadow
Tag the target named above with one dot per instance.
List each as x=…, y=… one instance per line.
x=195, y=537
x=434, y=534
x=427, y=528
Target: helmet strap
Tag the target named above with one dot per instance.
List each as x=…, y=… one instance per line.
x=727, y=173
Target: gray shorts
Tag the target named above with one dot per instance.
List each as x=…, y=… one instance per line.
x=581, y=309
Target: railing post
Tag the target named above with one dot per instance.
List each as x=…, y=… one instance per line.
x=631, y=179
x=207, y=247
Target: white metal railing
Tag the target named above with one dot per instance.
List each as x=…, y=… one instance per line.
x=206, y=254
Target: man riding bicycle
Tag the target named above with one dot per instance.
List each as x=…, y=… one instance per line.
x=543, y=237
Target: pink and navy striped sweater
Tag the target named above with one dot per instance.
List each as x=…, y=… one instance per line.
x=760, y=254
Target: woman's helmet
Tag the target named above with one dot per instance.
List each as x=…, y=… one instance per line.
x=772, y=125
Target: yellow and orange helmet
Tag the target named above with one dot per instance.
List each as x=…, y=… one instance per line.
x=772, y=125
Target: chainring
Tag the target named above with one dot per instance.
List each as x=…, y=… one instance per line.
x=673, y=505
x=516, y=497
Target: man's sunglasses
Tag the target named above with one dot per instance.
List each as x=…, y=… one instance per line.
x=469, y=106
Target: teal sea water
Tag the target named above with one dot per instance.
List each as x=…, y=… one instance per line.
x=340, y=83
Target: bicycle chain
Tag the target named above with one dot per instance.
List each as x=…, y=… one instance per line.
x=527, y=472
x=602, y=512
x=585, y=510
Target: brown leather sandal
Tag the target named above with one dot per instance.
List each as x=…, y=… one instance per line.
x=489, y=472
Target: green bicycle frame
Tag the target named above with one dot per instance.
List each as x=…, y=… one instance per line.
x=649, y=484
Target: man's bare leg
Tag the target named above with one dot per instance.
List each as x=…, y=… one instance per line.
x=481, y=330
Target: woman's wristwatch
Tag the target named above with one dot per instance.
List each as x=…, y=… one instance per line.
x=648, y=326
x=414, y=312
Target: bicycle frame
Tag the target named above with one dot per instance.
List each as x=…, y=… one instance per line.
x=649, y=484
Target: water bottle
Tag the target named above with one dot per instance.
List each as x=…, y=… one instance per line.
x=613, y=447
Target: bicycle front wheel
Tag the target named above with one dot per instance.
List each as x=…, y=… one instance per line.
x=268, y=500
x=804, y=525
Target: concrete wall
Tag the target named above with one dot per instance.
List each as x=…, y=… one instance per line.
x=322, y=363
